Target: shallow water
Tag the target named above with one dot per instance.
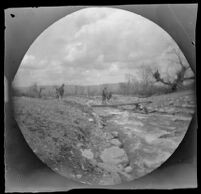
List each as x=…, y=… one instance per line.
x=144, y=134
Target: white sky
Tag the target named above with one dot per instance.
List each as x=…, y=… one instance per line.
x=95, y=46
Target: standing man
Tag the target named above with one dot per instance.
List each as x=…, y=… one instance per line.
x=104, y=96
x=109, y=96
x=60, y=91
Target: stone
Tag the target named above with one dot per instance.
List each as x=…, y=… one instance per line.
x=171, y=102
x=115, y=142
x=128, y=169
x=109, y=180
x=114, y=155
x=120, y=166
x=108, y=136
x=87, y=153
x=188, y=106
x=91, y=120
x=78, y=176
x=181, y=118
x=138, y=123
x=115, y=134
x=79, y=145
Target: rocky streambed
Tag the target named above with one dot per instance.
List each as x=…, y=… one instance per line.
x=141, y=141
x=104, y=145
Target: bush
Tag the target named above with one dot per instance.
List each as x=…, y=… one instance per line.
x=142, y=89
x=32, y=91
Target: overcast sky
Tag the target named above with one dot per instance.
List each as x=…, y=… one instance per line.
x=95, y=46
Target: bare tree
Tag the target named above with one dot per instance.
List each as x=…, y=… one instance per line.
x=146, y=75
x=180, y=74
x=123, y=88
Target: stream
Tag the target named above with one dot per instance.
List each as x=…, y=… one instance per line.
x=143, y=143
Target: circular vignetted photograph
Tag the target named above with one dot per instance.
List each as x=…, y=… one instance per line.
x=104, y=96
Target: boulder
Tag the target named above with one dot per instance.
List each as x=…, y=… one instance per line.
x=128, y=169
x=90, y=119
x=115, y=142
x=87, y=153
x=114, y=155
x=78, y=176
x=115, y=134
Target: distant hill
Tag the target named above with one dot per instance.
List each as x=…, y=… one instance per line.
x=73, y=89
x=94, y=90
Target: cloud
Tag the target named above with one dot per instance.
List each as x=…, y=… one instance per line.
x=95, y=45
x=119, y=37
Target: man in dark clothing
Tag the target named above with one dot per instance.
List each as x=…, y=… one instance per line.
x=60, y=91
x=109, y=96
x=104, y=96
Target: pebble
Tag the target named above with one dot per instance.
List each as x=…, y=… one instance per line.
x=128, y=169
x=115, y=142
x=187, y=106
x=87, y=153
x=120, y=166
x=181, y=118
x=171, y=102
x=115, y=134
x=78, y=176
x=79, y=145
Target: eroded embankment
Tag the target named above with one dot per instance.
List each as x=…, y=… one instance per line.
x=67, y=136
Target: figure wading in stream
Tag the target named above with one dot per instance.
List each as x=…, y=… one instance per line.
x=60, y=92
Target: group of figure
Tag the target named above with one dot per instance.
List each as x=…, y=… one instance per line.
x=106, y=95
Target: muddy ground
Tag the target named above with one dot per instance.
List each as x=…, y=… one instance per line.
x=105, y=145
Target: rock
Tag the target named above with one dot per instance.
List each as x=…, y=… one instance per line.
x=171, y=127
x=79, y=145
x=114, y=155
x=120, y=166
x=78, y=176
x=159, y=159
x=115, y=134
x=128, y=169
x=181, y=118
x=108, y=136
x=138, y=123
x=171, y=103
x=87, y=153
x=91, y=120
x=110, y=179
x=166, y=135
x=90, y=102
x=188, y=106
x=115, y=142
